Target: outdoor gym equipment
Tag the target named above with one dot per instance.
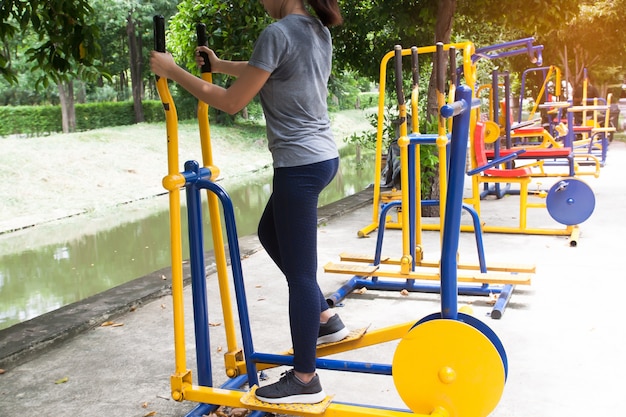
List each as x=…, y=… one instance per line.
x=546, y=147
x=470, y=56
x=460, y=372
x=592, y=148
x=569, y=201
x=496, y=170
x=411, y=272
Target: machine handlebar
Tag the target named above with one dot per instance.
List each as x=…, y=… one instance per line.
x=202, y=41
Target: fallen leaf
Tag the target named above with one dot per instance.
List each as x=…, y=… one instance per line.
x=2, y=371
x=214, y=324
x=219, y=348
x=163, y=306
x=238, y=412
x=111, y=324
x=151, y=413
x=404, y=292
x=62, y=380
x=144, y=405
x=362, y=290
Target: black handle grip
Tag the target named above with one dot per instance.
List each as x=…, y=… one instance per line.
x=415, y=68
x=159, y=33
x=440, y=68
x=398, y=62
x=452, y=67
x=202, y=41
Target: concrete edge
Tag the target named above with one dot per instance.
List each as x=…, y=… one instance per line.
x=24, y=341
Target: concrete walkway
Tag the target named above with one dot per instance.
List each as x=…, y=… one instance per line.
x=562, y=333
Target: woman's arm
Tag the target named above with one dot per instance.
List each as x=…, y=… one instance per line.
x=231, y=100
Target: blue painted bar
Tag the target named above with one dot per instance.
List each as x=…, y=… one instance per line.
x=235, y=257
x=452, y=216
x=324, y=363
x=198, y=280
x=502, y=301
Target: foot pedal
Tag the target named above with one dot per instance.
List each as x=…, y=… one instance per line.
x=353, y=335
x=251, y=401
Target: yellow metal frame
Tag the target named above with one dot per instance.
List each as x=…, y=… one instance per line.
x=469, y=71
x=547, y=140
x=524, y=181
x=597, y=128
x=552, y=71
x=174, y=182
x=424, y=270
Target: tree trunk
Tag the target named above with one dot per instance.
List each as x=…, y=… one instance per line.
x=134, y=50
x=68, y=111
x=443, y=28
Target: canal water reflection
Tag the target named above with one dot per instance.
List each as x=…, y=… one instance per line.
x=49, y=266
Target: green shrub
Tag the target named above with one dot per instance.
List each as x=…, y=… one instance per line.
x=44, y=120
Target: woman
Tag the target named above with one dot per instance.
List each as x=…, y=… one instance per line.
x=289, y=69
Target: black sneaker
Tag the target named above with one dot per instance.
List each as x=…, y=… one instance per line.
x=289, y=390
x=332, y=331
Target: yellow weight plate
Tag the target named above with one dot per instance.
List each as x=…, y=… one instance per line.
x=448, y=364
x=492, y=131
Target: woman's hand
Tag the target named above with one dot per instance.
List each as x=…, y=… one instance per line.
x=162, y=64
x=213, y=59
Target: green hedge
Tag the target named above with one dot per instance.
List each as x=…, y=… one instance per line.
x=43, y=120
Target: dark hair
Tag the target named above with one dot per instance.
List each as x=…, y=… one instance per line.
x=327, y=11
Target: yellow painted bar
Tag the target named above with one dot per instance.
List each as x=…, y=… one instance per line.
x=418, y=255
x=442, y=139
x=426, y=273
x=232, y=398
x=407, y=252
x=557, y=86
x=216, y=229
x=567, y=231
x=502, y=267
x=362, y=338
x=573, y=239
x=173, y=182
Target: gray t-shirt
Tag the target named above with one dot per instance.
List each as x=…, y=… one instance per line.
x=297, y=50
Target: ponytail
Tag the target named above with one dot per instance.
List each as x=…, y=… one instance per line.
x=327, y=11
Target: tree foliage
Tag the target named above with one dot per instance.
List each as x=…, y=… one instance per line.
x=66, y=41
x=232, y=28
x=371, y=29
x=594, y=40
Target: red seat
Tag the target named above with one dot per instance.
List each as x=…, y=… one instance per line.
x=533, y=152
x=529, y=130
x=481, y=157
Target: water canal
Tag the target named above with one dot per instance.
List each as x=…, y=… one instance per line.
x=52, y=265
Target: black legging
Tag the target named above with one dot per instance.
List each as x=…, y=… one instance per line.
x=288, y=232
